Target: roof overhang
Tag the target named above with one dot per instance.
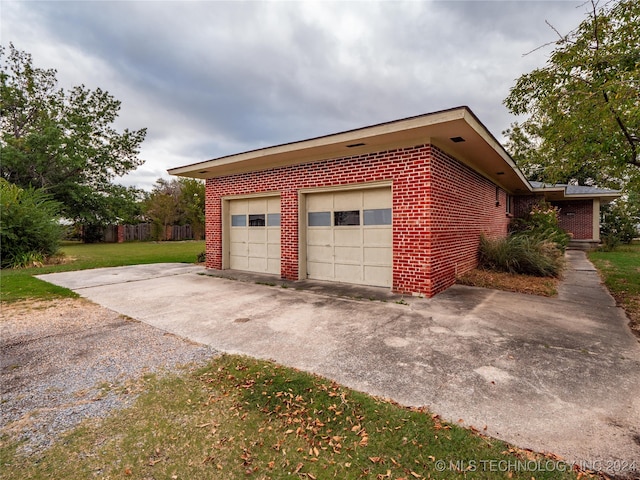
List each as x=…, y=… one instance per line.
x=559, y=193
x=457, y=131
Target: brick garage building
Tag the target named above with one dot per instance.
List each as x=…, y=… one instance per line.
x=399, y=205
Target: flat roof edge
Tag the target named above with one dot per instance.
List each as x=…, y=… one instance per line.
x=451, y=114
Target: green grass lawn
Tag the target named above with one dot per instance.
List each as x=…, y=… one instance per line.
x=19, y=284
x=620, y=271
x=241, y=418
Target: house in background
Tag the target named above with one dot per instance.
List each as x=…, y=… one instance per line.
x=579, y=209
x=400, y=204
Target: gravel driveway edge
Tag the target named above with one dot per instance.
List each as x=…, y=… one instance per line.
x=65, y=361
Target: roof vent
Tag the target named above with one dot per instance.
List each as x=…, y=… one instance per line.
x=355, y=145
x=203, y=171
x=457, y=139
x=499, y=173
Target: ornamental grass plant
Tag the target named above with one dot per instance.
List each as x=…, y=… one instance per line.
x=534, y=246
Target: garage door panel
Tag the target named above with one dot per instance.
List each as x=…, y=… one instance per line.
x=273, y=250
x=238, y=248
x=377, y=236
x=273, y=205
x=273, y=236
x=378, y=256
x=238, y=206
x=238, y=262
x=273, y=264
x=258, y=250
x=348, y=273
x=319, y=236
x=320, y=271
x=347, y=254
x=257, y=205
x=347, y=201
x=374, y=275
x=347, y=236
x=320, y=202
x=257, y=264
x=257, y=235
x=239, y=234
x=320, y=253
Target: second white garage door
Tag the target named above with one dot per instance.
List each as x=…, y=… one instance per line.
x=349, y=236
x=254, y=234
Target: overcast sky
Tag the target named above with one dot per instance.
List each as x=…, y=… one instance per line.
x=215, y=78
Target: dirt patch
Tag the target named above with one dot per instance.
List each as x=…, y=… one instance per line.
x=67, y=360
x=510, y=282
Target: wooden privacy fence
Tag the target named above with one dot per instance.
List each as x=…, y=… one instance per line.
x=140, y=232
x=143, y=232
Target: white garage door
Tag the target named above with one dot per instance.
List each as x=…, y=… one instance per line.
x=349, y=236
x=254, y=234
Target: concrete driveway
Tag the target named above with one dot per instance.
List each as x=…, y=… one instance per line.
x=557, y=375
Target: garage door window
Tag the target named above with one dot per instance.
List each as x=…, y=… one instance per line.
x=319, y=219
x=238, y=220
x=273, y=219
x=377, y=216
x=257, y=220
x=350, y=217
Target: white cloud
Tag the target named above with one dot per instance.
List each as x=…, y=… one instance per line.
x=214, y=78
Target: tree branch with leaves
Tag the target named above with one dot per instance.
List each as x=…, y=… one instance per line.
x=583, y=106
x=63, y=141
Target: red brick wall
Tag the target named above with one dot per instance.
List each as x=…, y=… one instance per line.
x=522, y=205
x=576, y=217
x=465, y=205
x=439, y=210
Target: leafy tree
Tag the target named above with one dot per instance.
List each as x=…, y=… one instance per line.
x=619, y=224
x=63, y=141
x=162, y=207
x=120, y=205
x=191, y=204
x=29, y=226
x=583, y=111
x=176, y=202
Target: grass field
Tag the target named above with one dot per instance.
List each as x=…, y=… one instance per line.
x=20, y=284
x=240, y=418
x=620, y=271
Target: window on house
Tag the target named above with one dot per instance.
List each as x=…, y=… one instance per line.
x=346, y=218
x=257, y=220
x=319, y=219
x=238, y=220
x=377, y=216
x=509, y=206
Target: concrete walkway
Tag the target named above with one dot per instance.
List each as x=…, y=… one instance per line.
x=560, y=375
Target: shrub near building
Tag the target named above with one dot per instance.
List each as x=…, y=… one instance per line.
x=29, y=228
x=534, y=246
